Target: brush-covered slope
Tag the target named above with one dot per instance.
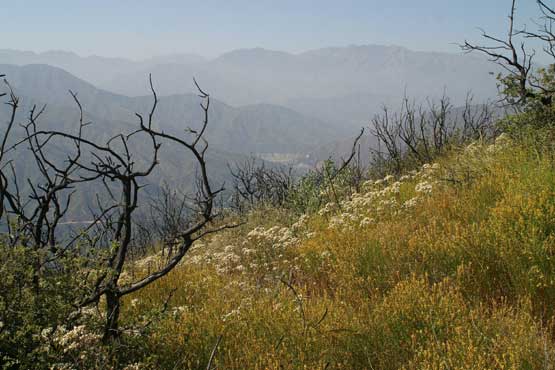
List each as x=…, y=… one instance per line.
x=450, y=266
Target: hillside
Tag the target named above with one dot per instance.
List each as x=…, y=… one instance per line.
x=233, y=129
x=446, y=265
x=449, y=266
x=277, y=185
x=414, y=273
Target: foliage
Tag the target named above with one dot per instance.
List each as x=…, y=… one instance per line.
x=448, y=266
x=539, y=93
x=34, y=218
x=31, y=303
x=329, y=183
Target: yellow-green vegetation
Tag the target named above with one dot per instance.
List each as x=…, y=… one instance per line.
x=448, y=267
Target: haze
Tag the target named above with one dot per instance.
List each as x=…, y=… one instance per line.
x=140, y=29
x=277, y=184
x=291, y=82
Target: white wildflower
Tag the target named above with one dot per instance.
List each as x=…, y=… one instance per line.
x=230, y=314
x=248, y=251
x=135, y=366
x=472, y=148
x=45, y=333
x=411, y=202
x=366, y=221
x=423, y=187
x=388, y=178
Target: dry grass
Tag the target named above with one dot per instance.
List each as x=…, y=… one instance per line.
x=451, y=268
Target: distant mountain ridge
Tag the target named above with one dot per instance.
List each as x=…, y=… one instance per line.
x=314, y=82
x=94, y=69
x=249, y=129
x=234, y=133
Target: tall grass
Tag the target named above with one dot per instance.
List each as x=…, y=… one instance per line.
x=448, y=268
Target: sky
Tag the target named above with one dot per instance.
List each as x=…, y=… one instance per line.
x=140, y=29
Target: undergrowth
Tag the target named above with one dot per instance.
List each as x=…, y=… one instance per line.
x=447, y=267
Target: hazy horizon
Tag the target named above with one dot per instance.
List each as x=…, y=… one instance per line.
x=140, y=30
x=215, y=56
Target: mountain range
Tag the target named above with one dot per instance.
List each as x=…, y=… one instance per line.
x=234, y=133
x=281, y=107
x=344, y=86
x=256, y=128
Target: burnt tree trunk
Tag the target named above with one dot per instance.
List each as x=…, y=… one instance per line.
x=111, y=329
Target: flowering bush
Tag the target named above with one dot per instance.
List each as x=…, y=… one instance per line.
x=447, y=266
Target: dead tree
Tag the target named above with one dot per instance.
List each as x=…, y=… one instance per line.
x=388, y=136
x=417, y=134
x=255, y=183
x=32, y=217
x=351, y=164
x=512, y=55
x=121, y=168
x=13, y=104
x=545, y=31
x=168, y=213
x=112, y=163
x=546, y=35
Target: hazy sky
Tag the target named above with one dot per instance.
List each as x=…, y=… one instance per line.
x=141, y=28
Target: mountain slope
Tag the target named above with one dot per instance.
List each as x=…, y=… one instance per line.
x=95, y=69
x=314, y=81
x=233, y=133
x=255, y=128
x=321, y=80
x=413, y=272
